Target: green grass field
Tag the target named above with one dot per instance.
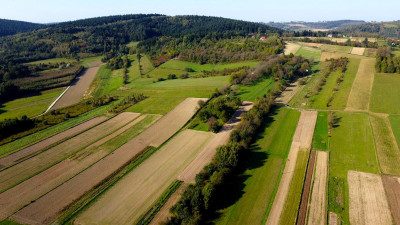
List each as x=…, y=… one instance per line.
x=385, y=97
x=320, y=100
x=337, y=48
x=181, y=65
x=309, y=52
x=115, y=81
x=192, y=82
x=146, y=64
x=54, y=60
x=395, y=122
x=260, y=178
x=85, y=61
x=351, y=148
x=132, y=44
x=103, y=75
x=320, y=139
x=290, y=209
x=30, y=106
x=163, y=73
x=133, y=70
x=341, y=96
x=251, y=92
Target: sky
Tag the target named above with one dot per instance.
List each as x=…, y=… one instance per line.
x=47, y=11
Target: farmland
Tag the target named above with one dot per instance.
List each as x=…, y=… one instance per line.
x=309, y=52
x=385, y=92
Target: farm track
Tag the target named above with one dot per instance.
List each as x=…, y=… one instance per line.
x=48, y=207
x=392, y=188
x=288, y=93
x=301, y=140
x=42, y=161
x=31, y=189
x=205, y=157
x=367, y=197
x=28, y=151
x=318, y=203
x=77, y=88
x=302, y=212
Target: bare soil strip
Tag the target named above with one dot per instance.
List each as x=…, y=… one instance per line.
x=368, y=202
x=318, y=204
x=39, y=162
x=392, y=188
x=48, y=207
x=386, y=145
x=288, y=93
x=333, y=218
x=205, y=157
x=302, y=213
x=318, y=45
x=291, y=48
x=77, y=88
x=357, y=51
x=163, y=215
x=301, y=140
x=361, y=90
x=132, y=196
x=23, y=153
x=31, y=189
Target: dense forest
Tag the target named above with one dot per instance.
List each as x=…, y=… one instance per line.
x=10, y=27
x=384, y=29
x=385, y=62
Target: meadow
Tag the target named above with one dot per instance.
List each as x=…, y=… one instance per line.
x=309, y=52
x=254, y=91
x=320, y=139
x=385, y=94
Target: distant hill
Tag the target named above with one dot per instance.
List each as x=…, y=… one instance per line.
x=10, y=27
x=381, y=29
x=322, y=26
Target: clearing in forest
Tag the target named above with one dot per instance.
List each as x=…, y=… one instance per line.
x=48, y=207
x=318, y=203
x=301, y=140
x=361, y=90
x=368, y=203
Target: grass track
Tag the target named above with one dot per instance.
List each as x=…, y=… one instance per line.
x=320, y=139
x=395, y=122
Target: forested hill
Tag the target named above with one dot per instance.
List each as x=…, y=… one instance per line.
x=111, y=34
x=383, y=29
x=10, y=27
x=324, y=25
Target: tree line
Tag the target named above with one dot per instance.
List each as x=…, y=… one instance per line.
x=385, y=62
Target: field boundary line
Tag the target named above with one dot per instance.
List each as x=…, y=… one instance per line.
x=375, y=148
x=55, y=101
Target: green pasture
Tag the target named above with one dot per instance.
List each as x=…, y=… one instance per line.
x=385, y=97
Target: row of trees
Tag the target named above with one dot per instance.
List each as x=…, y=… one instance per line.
x=385, y=62
x=365, y=43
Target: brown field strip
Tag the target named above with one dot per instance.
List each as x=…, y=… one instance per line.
x=163, y=215
x=23, y=153
x=31, y=189
x=205, y=157
x=357, y=51
x=132, y=196
x=361, y=90
x=318, y=203
x=302, y=213
x=392, y=188
x=291, y=48
x=53, y=155
x=77, y=88
x=368, y=202
x=386, y=145
x=333, y=218
x=317, y=45
x=301, y=140
x=288, y=93
x=48, y=207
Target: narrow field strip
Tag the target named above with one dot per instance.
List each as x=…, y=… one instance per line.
x=392, y=188
x=132, y=196
x=386, y=145
x=301, y=140
x=53, y=155
x=17, y=156
x=368, y=202
x=206, y=155
x=48, y=207
x=31, y=189
x=360, y=93
x=357, y=51
x=318, y=203
x=288, y=93
x=291, y=48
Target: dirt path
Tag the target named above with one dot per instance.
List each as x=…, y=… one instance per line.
x=301, y=140
x=132, y=196
x=368, y=202
x=23, y=153
x=302, y=213
x=31, y=189
x=392, y=188
x=291, y=48
x=205, y=157
x=49, y=206
x=164, y=214
x=360, y=93
x=318, y=204
x=333, y=218
x=77, y=88
x=288, y=93
x=357, y=51
x=35, y=164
